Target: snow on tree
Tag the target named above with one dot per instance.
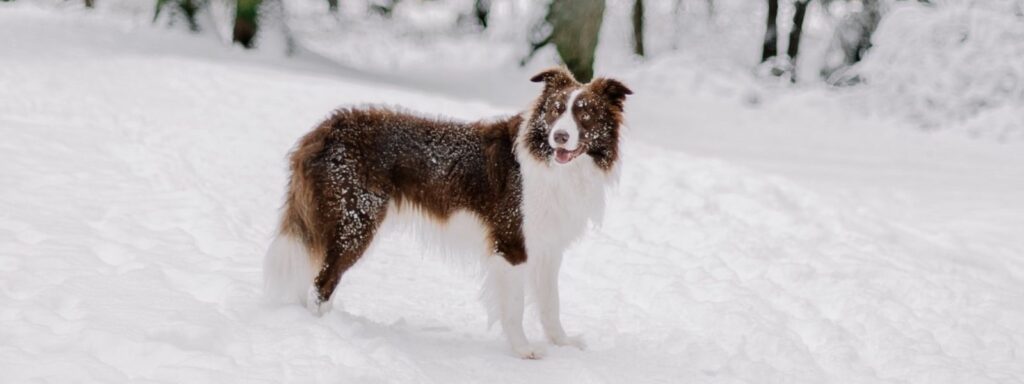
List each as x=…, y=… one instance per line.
x=186, y=9
x=850, y=41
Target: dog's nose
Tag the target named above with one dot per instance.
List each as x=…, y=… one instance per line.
x=561, y=137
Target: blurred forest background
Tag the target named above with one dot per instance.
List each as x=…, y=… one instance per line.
x=936, y=63
x=812, y=191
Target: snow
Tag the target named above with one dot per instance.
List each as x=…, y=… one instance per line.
x=951, y=64
x=757, y=234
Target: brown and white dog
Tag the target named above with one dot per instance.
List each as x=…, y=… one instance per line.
x=517, y=191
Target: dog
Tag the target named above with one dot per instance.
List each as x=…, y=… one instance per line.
x=518, y=190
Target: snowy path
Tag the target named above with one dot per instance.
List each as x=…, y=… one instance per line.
x=141, y=171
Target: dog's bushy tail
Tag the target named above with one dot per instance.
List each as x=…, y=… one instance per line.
x=288, y=270
x=296, y=254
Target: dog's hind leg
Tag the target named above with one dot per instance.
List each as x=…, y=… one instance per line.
x=357, y=213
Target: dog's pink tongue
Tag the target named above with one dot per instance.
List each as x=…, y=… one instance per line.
x=562, y=156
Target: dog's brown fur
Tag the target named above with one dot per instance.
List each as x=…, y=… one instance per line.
x=347, y=170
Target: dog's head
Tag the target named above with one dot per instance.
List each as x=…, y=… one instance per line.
x=571, y=121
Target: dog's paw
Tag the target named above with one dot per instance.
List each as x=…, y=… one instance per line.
x=570, y=341
x=530, y=352
x=313, y=303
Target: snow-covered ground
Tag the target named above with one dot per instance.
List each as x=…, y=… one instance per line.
x=758, y=235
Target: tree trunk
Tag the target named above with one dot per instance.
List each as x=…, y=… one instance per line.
x=638, y=27
x=798, y=24
x=332, y=6
x=89, y=3
x=872, y=16
x=771, y=34
x=187, y=8
x=575, y=26
x=481, y=10
x=246, y=22
x=384, y=8
x=190, y=8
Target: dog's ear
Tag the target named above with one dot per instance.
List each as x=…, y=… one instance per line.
x=554, y=78
x=612, y=90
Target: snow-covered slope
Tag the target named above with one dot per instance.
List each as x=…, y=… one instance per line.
x=141, y=171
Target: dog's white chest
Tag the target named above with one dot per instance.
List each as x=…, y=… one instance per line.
x=558, y=204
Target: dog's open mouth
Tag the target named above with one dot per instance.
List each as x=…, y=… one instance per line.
x=563, y=156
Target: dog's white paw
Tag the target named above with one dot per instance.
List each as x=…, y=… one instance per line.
x=530, y=352
x=313, y=303
x=570, y=341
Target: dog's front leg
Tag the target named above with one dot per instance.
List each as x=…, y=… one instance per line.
x=507, y=283
x=546, y=290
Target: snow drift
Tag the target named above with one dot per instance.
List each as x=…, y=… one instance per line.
x=950, y=66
